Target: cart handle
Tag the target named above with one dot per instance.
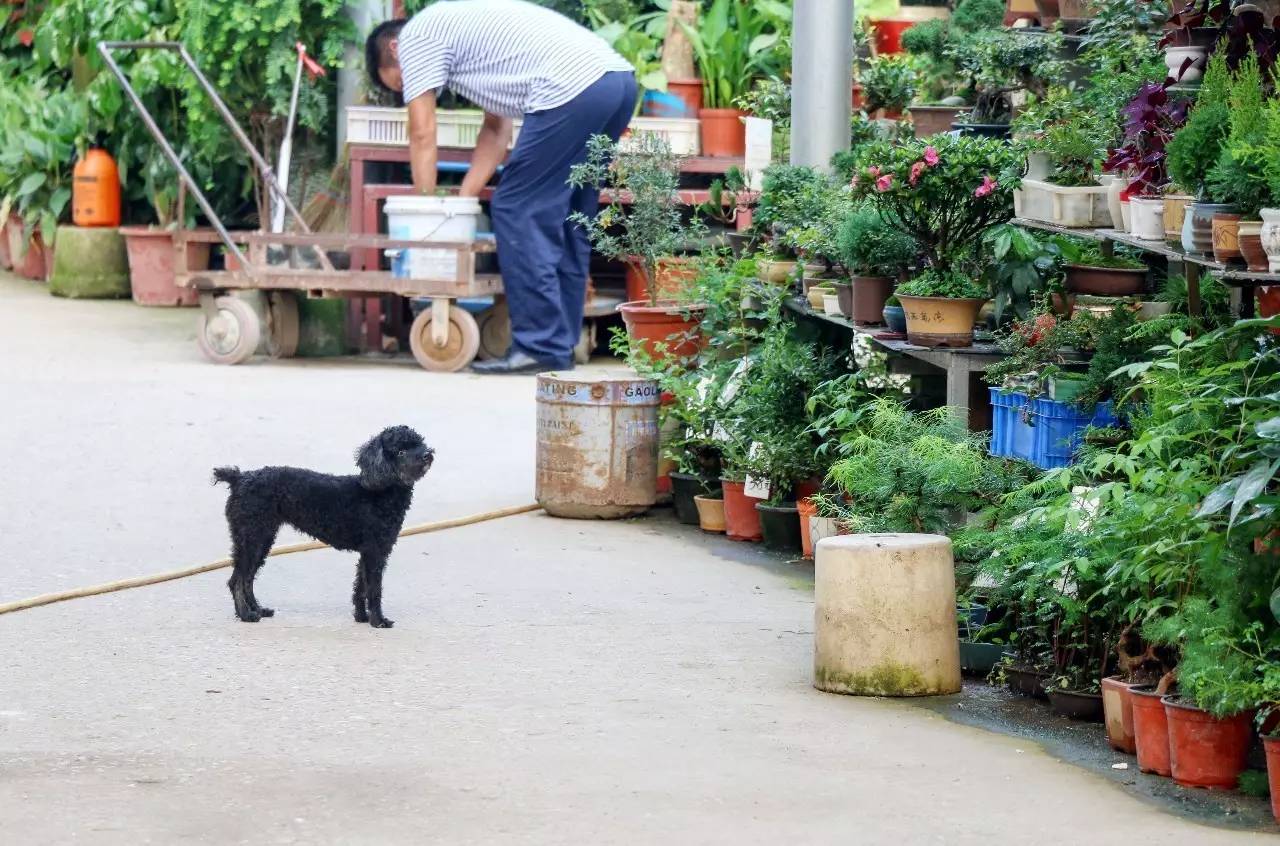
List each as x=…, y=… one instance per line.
x=105, y=48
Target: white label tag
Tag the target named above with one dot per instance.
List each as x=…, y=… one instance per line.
x=759, y=151
x=757, y=488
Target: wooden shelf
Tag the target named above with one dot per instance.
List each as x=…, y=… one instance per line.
x=1043, y=226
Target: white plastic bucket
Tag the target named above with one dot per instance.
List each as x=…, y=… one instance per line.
x=428, y=219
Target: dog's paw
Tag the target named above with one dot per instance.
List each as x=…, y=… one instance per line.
x=267, y=612
x=250, y=617
x=382, y=623
x=361, y=617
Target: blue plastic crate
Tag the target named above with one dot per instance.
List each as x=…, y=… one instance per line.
x=1042, y=431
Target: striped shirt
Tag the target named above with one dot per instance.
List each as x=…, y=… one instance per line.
x=509, y=57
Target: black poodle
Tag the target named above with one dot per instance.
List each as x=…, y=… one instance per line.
x=353, y=513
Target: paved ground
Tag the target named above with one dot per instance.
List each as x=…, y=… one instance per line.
x=546, y=682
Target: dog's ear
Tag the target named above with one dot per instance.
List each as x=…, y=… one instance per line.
x=376, y=472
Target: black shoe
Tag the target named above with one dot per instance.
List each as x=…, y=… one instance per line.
x=516, y=362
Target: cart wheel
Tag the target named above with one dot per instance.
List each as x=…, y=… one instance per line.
x=459, y=351
x=586, y=343
x=282, y=324
x=495, y=331
x=231, y=336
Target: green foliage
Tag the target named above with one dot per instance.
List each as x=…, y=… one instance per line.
x=1002, y=62
x=651, y=227
x=35, y=168
x=1089, y=254
x=734, y=43
x=790, y=198
x=977, y=15
x=1073, y=148
x=1024, y=268
x=904, y=471
x=943, y=191
x=952, y=284
x=1238, y=176
x=1255, y=783
x=868, y=246
x=638, y=39
x=889, y=83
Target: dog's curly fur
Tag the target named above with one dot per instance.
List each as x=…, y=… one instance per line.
x=360, y=514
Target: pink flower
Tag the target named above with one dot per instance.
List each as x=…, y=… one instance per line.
x=873, y=171
x=930, y=156
x=988, y=185
x=916, y=170
x=884, y=183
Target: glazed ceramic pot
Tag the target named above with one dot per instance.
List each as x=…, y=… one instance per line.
x=1105, y=281
x=1175, y=212
x=1197, y=232
x=940, y=321
x=1192, y=58
x=1271, y=237
x=1250, y=239
x=1225, y=232
x=1147, y=218
x=895, y=317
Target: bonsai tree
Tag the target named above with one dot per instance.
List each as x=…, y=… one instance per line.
x=652, y=227
x=947, y=284
x=791, y=197
x=869, y=246
x=1000, y=63
x=944, y=192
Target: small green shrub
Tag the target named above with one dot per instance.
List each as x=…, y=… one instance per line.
x=944, y=283
x=868, y=246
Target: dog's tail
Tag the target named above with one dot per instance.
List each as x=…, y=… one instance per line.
x=230, y=475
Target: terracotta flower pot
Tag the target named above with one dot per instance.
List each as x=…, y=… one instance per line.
x=1048, y=12
x=689, y=92
x=741, y=520
x=34, y=263
x=1175, y=211
x=151, y=266
x=671, y=277
x=1150, y=730
x=869, y=296
x=1197, y=230
x=1271, y=745
x=710, y=513
x=1250, y=239
x=671, y=324
x=723, y=133
x=940, y=321
x=780, y=526
x=806, y=488
x=1105, y=281
x=858, y=98
x=1225, y=231
x=1206, y=751
x=6, y=261
x=1117, y=708
x=806, y=510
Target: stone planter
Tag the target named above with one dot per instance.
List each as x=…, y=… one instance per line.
x=90, y=264
x=940, y=321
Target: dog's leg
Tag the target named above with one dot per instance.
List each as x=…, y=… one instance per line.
x=358, y=595
x=264, y=546
x=371, y=567
x=249, y=550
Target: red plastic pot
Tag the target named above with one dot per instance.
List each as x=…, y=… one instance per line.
x=1117, y=708
x=670, y=324
x=1150, y=730
x=672, y=277
x=1204, y=750
x=806, y=488
x=723, y=133
x=1272, y=747
x=888, y=35
x=1268, y=302
x=741, y=520
x=806, y=509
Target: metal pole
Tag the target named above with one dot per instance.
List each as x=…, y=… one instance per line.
x=821, y=80
x=286, y=150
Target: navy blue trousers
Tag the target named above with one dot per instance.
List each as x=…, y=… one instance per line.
x=545, y=257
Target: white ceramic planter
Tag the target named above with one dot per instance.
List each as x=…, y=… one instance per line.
x=1126, y=224
x=1038, y=166
x=1271, y=237
x=1174, y=57
x=1114, y=185
x=1147, y=218
x=831, y=305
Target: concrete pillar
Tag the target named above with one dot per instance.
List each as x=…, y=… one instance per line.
x=365, y=14
x=821, y=80
x=885, y=616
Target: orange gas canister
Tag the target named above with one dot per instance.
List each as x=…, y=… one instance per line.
x=95, y=192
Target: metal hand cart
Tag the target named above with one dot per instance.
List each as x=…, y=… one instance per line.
x=444, y=337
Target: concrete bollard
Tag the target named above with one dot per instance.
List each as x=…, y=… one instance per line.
x=885, y=616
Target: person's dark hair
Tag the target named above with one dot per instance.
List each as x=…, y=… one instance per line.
x=377, y=49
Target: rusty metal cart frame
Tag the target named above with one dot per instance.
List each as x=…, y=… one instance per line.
x=444, y=337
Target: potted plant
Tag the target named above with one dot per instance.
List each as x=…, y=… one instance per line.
x=1196, y=147
x=1089, y=271
x=151, y=248
x=734, y=42
x=791, y=199
x=875, y=254
x=942, y=307
x=999, y=64
x=645, y=234
x=889, y=84
x=1068, y=193
x=1238, y=177
x=1269, y=149
x=895, y=316
x=1023, y=269
x=1151, y=118
x=889, y=29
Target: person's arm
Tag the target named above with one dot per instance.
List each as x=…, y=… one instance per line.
x=422, y=142
x=491, y=149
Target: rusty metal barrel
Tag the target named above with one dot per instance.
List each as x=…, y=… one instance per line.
x=597, y=444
